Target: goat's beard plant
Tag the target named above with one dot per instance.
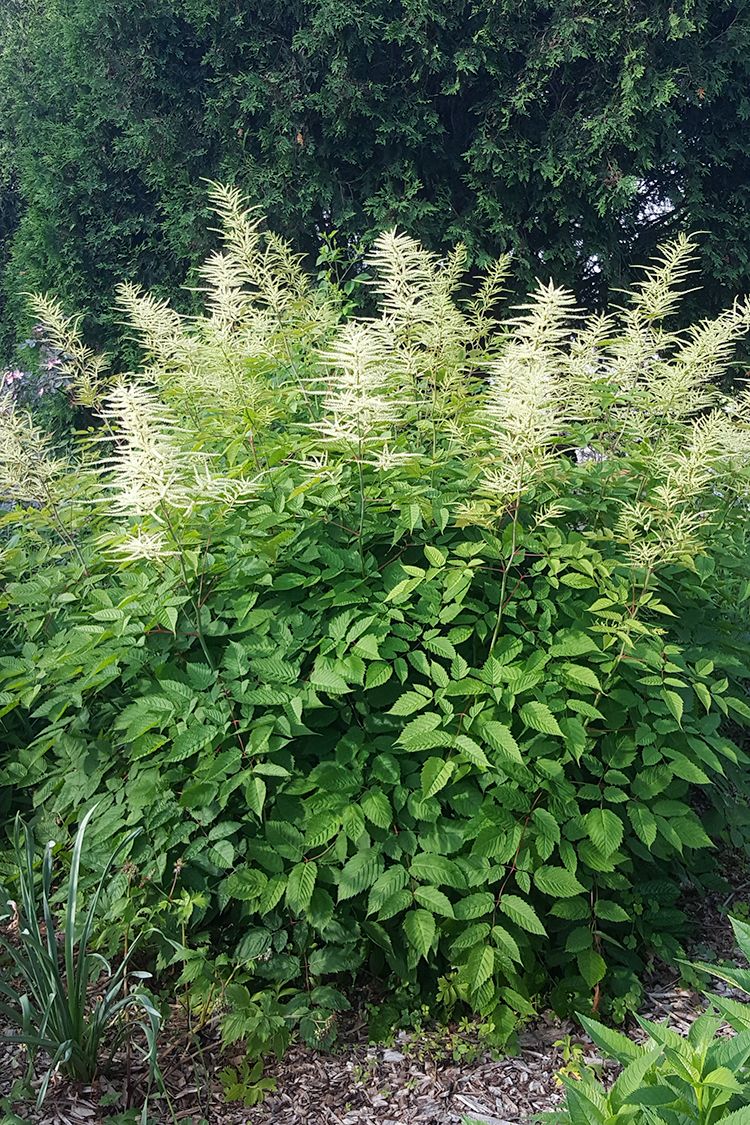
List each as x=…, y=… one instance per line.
x=410, y=641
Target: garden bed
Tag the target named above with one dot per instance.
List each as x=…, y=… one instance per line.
x=414, y=1081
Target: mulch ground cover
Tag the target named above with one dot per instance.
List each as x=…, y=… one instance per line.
x=415, y=1080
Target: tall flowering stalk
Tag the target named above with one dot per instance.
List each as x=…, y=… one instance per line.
x=437, y=402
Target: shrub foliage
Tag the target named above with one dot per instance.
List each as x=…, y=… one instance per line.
x=415, y=643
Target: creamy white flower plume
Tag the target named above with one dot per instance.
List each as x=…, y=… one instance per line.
x=148, y=467
x=141, y=545
x=362, y=400
x=28, y=467
x=86, y=368
x=522, y=409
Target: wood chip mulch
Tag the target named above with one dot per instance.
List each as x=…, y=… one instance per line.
x=415, y=1081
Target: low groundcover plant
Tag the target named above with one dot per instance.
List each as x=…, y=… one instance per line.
x=414, y=642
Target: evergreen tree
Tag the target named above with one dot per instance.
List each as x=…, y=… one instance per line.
x=578, y=138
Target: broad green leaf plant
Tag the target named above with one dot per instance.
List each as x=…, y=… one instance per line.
x=415, y=643
x=698, y=1079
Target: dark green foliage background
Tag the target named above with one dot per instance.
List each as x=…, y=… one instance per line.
x=525, y=125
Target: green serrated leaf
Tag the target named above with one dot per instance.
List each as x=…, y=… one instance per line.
x=673, y=702
x=419, y=927
x=325, y=679
x=436, y=774
x=377, y=674
x=502, y=741
x=321, y=828
x=434, y=556
x=572, y=643
x=581, y=676
x=300, y=886
x=358, y=873
x=471, y=750
x=354, y=822
x=434, y=900
x=189, y=741
x=557, y=882
x=377, y=808
x=272, y=894
x=437, y=870
x=393, y=879
x=539, y=717
x=610, y=911
x=480, y=966
x=395, y=904
x=604, y=829
x=255, y=795
x=643, y=822
x=474, y=906
x=522, y=914
x=506, y=943
x=367, y=647
x=592, y=966
x=245, y=885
